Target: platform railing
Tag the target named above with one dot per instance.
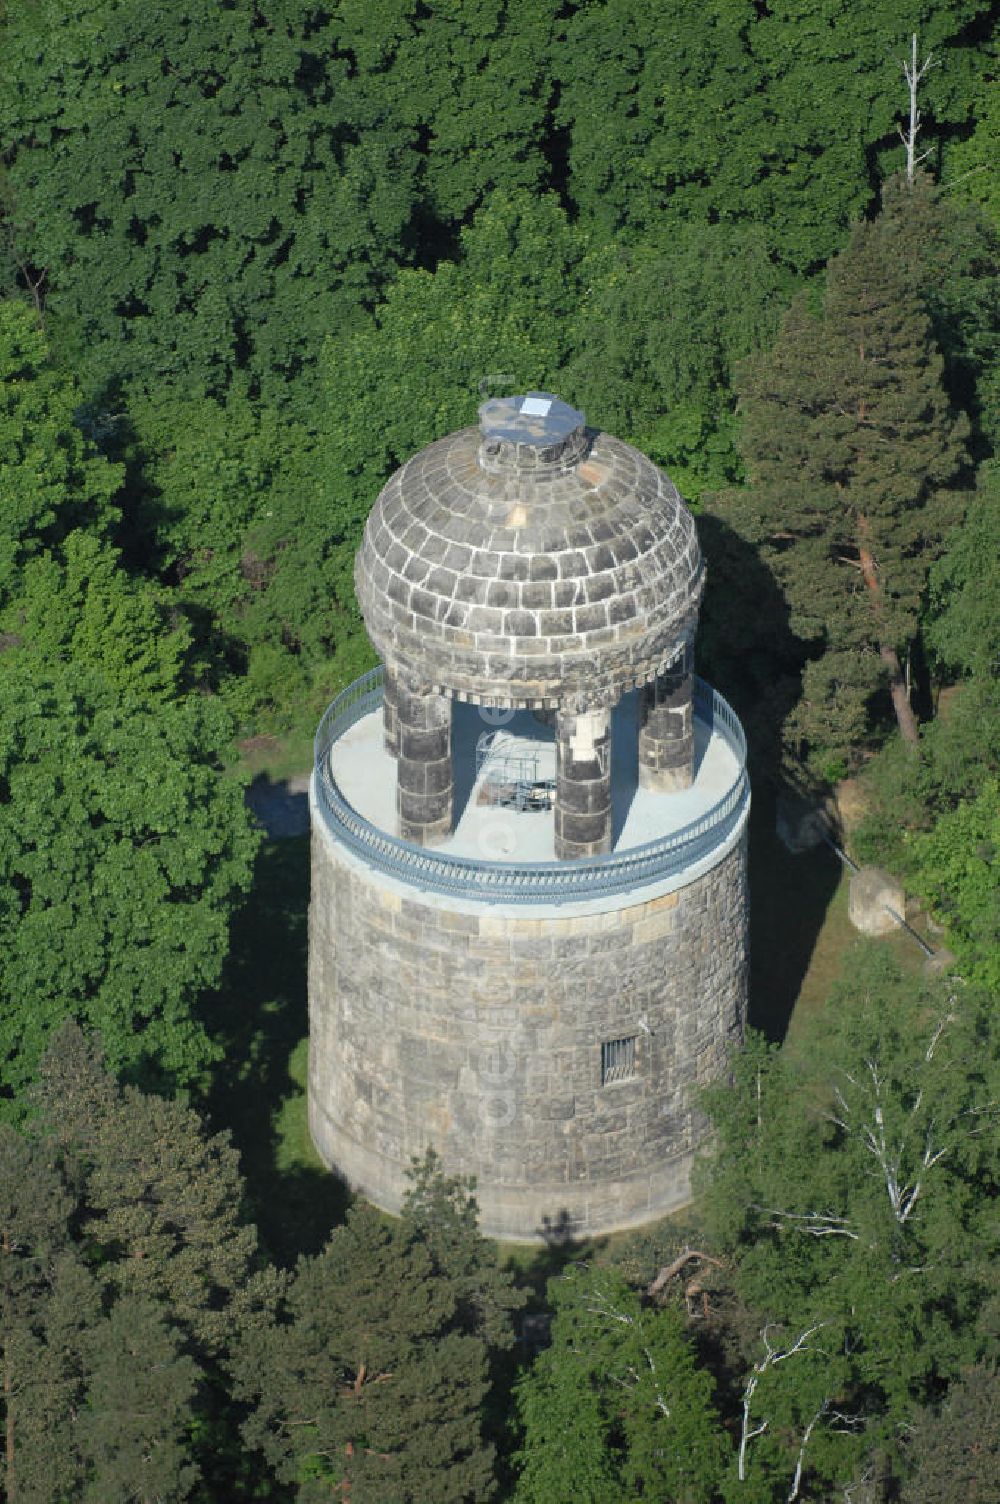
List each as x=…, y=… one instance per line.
x=526, y=882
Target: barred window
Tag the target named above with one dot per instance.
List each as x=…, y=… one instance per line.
x=617, y=1060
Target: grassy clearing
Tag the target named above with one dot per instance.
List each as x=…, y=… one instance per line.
x=278, y=756
x=801, y=939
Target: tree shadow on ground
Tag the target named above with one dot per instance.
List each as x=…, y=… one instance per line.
x=746, y=648
x=259, y=1015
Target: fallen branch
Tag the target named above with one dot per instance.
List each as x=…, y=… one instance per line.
x=669, y=1271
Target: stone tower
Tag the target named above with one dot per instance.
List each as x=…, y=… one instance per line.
x=527, y=933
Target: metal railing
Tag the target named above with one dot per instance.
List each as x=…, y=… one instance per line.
x=526, y=882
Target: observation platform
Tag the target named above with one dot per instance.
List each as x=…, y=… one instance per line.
x=504, y=855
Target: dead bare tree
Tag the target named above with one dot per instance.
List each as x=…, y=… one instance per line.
x=913, y=73
x=793, y=1492
x=864, y=1106
x=906, y=1155
x=816, y=1224
x=772, y=1357
x=34, y=282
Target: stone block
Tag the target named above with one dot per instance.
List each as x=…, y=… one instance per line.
x=558, y=1109
x=657, y=905
x=871, y=893
x=655, y=927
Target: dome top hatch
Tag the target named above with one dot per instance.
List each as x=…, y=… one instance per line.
x=529, y=561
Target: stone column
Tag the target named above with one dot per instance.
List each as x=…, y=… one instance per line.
x=390, y=712
x=424, y=782
x=583, y=783
x=666, y=735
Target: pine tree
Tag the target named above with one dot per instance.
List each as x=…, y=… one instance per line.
x=440, y=1212
x=951, y=255
x=160, y=1196
x=134, y=1428
x=95, y=1393
x=955, y=1452
x=45, y=1297
x=125, y=1271
x=372, y=1381
x=853, y=454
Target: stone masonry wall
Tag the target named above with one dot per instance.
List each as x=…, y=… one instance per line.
x=481, y=1034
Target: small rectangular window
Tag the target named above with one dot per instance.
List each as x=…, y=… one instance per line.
x=617, y=1060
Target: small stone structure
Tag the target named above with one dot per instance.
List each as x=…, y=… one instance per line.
x=871, y=894
x=544, y=1023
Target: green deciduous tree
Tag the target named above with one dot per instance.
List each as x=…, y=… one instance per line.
x=956, y=868
x=52, y=480
x=123, y=842
x=969, y=162
x=659, y=336
x=852, y=450
x=932, y=818
x=122, y=851
x=505, y=308
x=253, y=521
x=225, y=508
x=207, y=189
x=210, y=191
x=779, y=115
x=848, y=1183
x=77, y=606
x=469, y=81
x=616, y=1407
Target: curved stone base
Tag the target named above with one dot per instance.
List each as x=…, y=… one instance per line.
x=550, y=1211
x=490, y=1034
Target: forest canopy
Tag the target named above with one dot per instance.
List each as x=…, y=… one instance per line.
x=252, y=258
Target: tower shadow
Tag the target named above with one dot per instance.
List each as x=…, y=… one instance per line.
x=624, y=761
x=259, y=1017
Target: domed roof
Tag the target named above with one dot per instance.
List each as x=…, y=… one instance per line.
x=529, y=561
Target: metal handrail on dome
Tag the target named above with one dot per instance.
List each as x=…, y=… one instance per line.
x=525, y=882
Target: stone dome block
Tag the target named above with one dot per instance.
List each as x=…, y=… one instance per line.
x=531, y=558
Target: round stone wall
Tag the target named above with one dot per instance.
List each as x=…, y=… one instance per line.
x=488, y=1034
